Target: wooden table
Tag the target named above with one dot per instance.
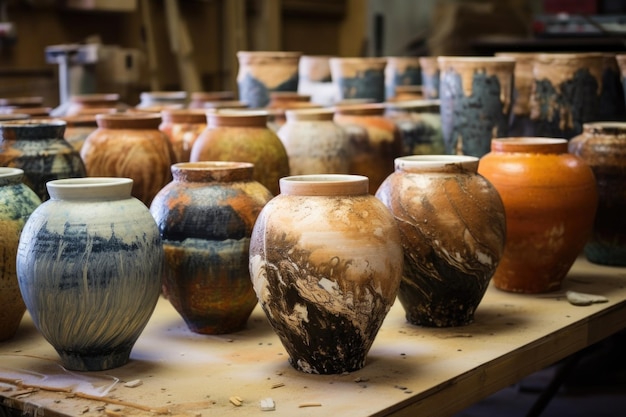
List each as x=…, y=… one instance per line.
x=410, y=370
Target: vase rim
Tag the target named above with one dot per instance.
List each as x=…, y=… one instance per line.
x=224, y=104
x=324, y=184
x=271, y=53
x=435, y=160
x=33, y=123
x=306, y=113
x=363, y=108
x=408, y=104
x=5, y=117
x=104, y=187
x=8, y=172
x=164, y=95
x=212, y=165
x=605, y=125
x=525, y=144
x=87, y=98
x=359, y=59
x=475, y=59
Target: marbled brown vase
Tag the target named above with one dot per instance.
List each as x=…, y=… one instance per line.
x=452, y=226
x=357, y=78
x=401, y=71
x=325, y=263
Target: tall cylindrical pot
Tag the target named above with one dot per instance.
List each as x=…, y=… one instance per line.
x=401, y=71
x=429, y=69
x=519, y=119
x=359, y=78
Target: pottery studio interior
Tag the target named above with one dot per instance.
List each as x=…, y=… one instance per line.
x=312, y=207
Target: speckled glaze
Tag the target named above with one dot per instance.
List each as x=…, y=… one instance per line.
x=89, y=266
x=419, y=122
x=243, y=136
x=429, y=68
x=519, y=120
x=38, y=148
x=401, y=71
x=476, y=96
x=602, y=146
x=182, y=127
x=205, y=217
x=452, y=227
x=326, y=263
x=261, y=72
x=315, y=144
x=550, y=199
x=130, y=145
x=17, y=202
x=359, y=78
x=375, y=140
x=565, y=93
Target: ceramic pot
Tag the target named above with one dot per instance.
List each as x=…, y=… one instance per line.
x=31, y=112
x=130, y=145
x=156, y=101
x=419, y=122
x=77, y=128
x=314, y=143
x=225, y=105
x=359, y=78
x=38, y=147
x=325, y=263
x=429, y=68
x=261, y=72
x=280, y=102
x=452, y=226
x=199, y=98
x=550, y=200
x=182, y=127
x=408, y=93
x=565, y=93
x=375, y=141
x=612, y=106
x=205, y=217
x=243, y=136
x=602, y=146
x=519, y=120
x=89, y=266
x=17, y=202
x=26, y=101
x=92, y=104
x=315, y=79
x=476, y=95
x=621, y=63
x=14, y=116
x=401, y=71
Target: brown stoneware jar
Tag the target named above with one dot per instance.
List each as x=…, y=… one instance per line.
x=182, y=127
x=92, y=104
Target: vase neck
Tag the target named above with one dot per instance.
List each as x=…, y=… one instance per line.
x=134, y=120
x=241, y=118
x=324, y=185
x=212, y=171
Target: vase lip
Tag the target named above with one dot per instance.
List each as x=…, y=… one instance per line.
x=184, y=115
x=409, y=104
x=324, y=185
x=475, y=59
x=270, y=53
x=363, y=108
x=613, y=125
x=351, y=59
x=224, y=105
x=434, y=160
x=524, y=144
x=568, y=55
x=164, y=95
x=5, y=117
x=29, y=123
x=309, y=113
x=104, y=187
x=212, y=165
x=9, y=172
x=96, y=97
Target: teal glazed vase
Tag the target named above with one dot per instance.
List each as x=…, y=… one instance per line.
x=205, y=217
x=17, y=202
x=476, y=98
x=401, y=71
x=602, y=145
x=565, y=93
x=452, y=227
x=261, y=72
x=38, y=147
x=89, y=266
x=359, y=78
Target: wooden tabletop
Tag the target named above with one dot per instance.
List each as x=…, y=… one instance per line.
x=410, y=370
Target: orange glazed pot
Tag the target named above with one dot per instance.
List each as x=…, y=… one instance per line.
x=550, y=200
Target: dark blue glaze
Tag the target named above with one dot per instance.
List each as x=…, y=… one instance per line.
x=430, y=84
x=612, y=106
x=254, y=93
x=411, y=76
x=369, y=84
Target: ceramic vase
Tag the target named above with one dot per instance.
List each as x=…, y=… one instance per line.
x=261, y=72
x=38, y=148
x=419, y=123
x=92, y=104
x=21, y=102
x=199, y=98
x=244, y=136
x=314, y=143
x=130, y=145
x=612, y=105
x=621, y=63
x=519, y=119
x=602, y=145
x=280, y=102
x=565, y=93
x=429, y=69
x=550, y=199
x=476, y=96
x=182, y=127
x=315, y=79
x=452, y=226
x=77, y=129
x=17, y=202
x=325, y=263
x=89, y=266
x=359, y=78
x=401, y=71
x=205, y=217
x=155, y=101
x=375, y=141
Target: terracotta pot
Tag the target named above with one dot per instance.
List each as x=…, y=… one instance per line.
x=315, y=79
x=476, y=95
x=280, y=102
x=375, y=141
x=224, y=105
x=401, y=71
x=429, y=68
x=519, y=121
x=199, y=98
x=550, y=199
x=325, y=263
x=359, y=78
x=17, y=202
x=92, y=104
x=452, y=227
x=205, y=217
x=182, y=127
x=602, y=146
x=419, y=123
x=130, y=145
x=78, y=128
x=243, y=136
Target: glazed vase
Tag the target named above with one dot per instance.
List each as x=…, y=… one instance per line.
x=89, y=266
x=315, y=79
x=155, y=101
x=401, y=71
x=182, y=127
x=314, y=143
x=429, y=70
x=550, y=199
x=452, y=227
x=325, y=263
x=621, y=63
x=92, y=104
x=17, y=202
x=261, y=72
x=419, y=123
x=565, y=93
x=375, y=141
x=205, y=216
x=602, y=145
x=243, y=136
x=612, y=105
x=476, y=97
x=130, y=145
x=38, y=148
x=519, y=120
x=280, y=102
x=77, y=128
x=359, y=78
x=198, y=99
x=21, y=102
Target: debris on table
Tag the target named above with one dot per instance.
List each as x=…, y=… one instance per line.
x=236, y=401
x=268, y=404
x=303, y=405
x=583, y=299
x=134, y=383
